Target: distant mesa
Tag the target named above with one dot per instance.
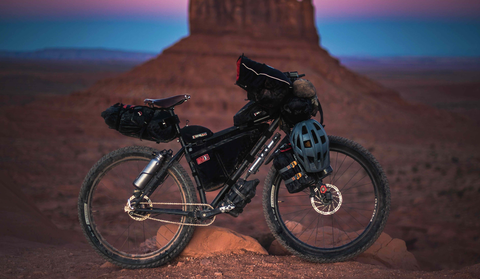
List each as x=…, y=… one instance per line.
x=78, y=54
x=266, y=19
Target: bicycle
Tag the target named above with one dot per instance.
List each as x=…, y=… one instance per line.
x=138, y=206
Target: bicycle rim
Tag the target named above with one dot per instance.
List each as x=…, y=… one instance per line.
x=125, y=236
x=336, y=225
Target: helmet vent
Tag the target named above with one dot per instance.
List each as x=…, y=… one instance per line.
x=316, y=126
x=310, y=159
x=318, y=155
x=314, y=135
x=304, y=130
x=307, y=143
x=298, y=142
x=322, y=138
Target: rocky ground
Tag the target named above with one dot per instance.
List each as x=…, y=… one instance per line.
x=79, y=261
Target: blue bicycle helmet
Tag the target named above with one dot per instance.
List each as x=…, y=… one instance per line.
x=310, y=144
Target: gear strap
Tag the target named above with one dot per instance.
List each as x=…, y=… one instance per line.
x=293, y=178
x=289, y=167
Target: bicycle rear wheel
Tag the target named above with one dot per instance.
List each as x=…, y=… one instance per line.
x=338, y=228
x=134, y=241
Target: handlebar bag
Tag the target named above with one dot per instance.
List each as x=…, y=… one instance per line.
x=265, y=85
x=217, y=157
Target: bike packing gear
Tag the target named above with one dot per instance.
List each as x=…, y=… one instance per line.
x=141, y=122
x=248, y=114
x=310, y=145
x=220, y=154
x=295, y=179
x=296, y=110
x=240, y=195
x=264, y=84
x=195, y=133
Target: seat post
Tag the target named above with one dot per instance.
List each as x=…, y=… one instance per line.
x=177, y=127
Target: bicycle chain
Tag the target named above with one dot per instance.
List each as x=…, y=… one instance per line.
x=173, y=222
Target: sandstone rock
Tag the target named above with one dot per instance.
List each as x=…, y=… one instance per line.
x=209, y=241
x=265, y=19
x=388, y=252
x=108, y=265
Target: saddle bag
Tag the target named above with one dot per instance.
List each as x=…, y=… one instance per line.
x=216, y=158
x=265, y=85
x=141, y=122
x=294, y=177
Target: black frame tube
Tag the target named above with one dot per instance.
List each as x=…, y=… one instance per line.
x=154, y=182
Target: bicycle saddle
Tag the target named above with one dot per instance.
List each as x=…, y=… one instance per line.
x=167, y=103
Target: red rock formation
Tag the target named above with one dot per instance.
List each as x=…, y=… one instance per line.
x=269, y=19
x=211, y=241
x=388, y=252
x=203, y=65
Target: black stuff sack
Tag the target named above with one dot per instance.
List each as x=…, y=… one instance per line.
x=162, y=126
x=297, y=110
x=141, y=122
x=294, y=178
x=265, y=85
x=240, y=195
x=249, y=113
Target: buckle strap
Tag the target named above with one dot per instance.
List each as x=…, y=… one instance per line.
x=239, y=193
x=293, y=178
x=289, y=167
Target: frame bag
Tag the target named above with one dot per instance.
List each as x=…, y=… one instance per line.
x=218, y=156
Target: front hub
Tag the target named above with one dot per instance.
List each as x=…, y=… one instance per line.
x=326, y=199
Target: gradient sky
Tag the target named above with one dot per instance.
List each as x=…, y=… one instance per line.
x=346, y=27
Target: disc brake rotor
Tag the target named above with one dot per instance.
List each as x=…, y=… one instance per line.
x=147, y=203
x=327, y=199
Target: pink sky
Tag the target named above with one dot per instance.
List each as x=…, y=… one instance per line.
x=178, y=8
x=398, y=8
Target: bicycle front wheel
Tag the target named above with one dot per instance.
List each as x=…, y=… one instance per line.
x=134, y=240
x=339, y=227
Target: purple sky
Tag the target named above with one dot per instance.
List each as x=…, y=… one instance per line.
x=346, y=27
x=178, y=8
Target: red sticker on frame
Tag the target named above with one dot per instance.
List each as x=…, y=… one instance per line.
x=202, y=159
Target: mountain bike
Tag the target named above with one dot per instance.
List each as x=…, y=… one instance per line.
x=138, y=207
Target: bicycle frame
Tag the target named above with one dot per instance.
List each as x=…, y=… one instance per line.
x=161, y=174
